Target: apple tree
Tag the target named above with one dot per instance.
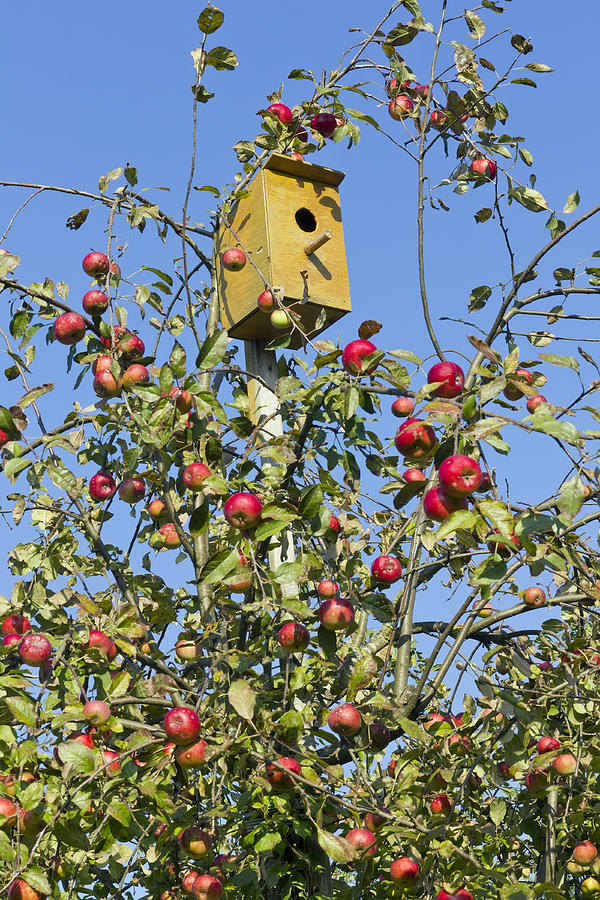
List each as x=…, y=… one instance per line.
x=215, y=680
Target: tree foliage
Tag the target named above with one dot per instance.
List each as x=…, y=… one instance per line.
x=174, y=606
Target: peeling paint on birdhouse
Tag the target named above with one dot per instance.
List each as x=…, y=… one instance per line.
x=290, y=223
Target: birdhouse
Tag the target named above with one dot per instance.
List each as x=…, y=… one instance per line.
x=290, y=224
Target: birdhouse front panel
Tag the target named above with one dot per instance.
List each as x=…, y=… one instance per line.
x=291, y=221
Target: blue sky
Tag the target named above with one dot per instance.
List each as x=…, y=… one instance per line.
x=88, y=88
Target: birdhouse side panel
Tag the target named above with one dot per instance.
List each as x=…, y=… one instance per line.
x=298, y=212
x=239, y=291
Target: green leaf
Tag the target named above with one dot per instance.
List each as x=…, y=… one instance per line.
x=199, y=520
x=568, y=362
x=497, y=811
x=529, y=198
x=105, y=180
x=571, y=497
x=363, y=673
x=34, y=394
x=475, y=25
x=528, y=82
x=242, y=698
x=219, y=566
x=37, y=880
x=302, y=75
x=77, y=219
x=130, y=173
x=413, y=730
x=517, y=892
x=14, y=466
x=500, y=517
x=572, y=203
x=119, y=811
x=212, y=350
x=520, y=43
x=407, y=355
x=210, y=19
x=71, y=834
x=351, y=398
x=526, y=156
x=79, y=757
x=177, y=361
x=336, y=847
x=310, y=501
x=23, y=710
x=288, y=572
x=221, y=58
x=542, y=420
x=267, y=842
x=478, y=296
x=461, y=519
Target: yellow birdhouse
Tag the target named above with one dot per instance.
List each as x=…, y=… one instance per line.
x=290, y=224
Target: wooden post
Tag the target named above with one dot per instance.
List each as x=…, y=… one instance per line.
x=264, y=406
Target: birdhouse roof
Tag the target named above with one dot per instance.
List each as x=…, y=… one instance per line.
x=299, y=168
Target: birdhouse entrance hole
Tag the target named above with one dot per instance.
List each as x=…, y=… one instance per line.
x=305, y=220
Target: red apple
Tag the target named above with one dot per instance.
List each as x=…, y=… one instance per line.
x=16, y=624
x=484, y=167
x=102, y=642
x=327, y=589
x=96, y=712
x=102, y=486
x=195, y=842
x=459, y=475
x=95, y=264
x=188, y=647
x=486, y=483
x=413, y=476
x=111, y=760
x=584, y=853
x=20, y=890
x=402, y=407
x=207, y=887
x=379, y=736
x=82, y=737
x=115, y=273
x=118, y=332
x=505, y=550
x=345, y=720
x=334, y=525
x=400, y=107
x=132, y=490
x=11, y=640
x=438, y=118
x=363, y=841
x=294, y=637
x=440, y=804
x=8, y=813
x=194, y=475
x=169, y=537
x=282, y=112
x=564, y=764
x=131, y=347
x=241, y=579
x=95, y=303
x=69, y=328
x=233, y=259
x=415, y=439
x=101, y=364
x=336, y=614
x=182, y=725
x=35, y=649
x=157, y=510
x=134, y=375
x=534, y=596
x=354, y=354
x=266, y=302
x=438, y=505
x=191, y=756
x=503, y=769
x=106, y=385
x=324, y=123
x=187, y=882
x=278, y=778
x=450, y=375
x=460, y=894
x=4, y=438
x=386, y=569
x=182, y=399
x=404, y=871
x=546, y=744
x=242, y=510
x=511, y=391
x=534, y=402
